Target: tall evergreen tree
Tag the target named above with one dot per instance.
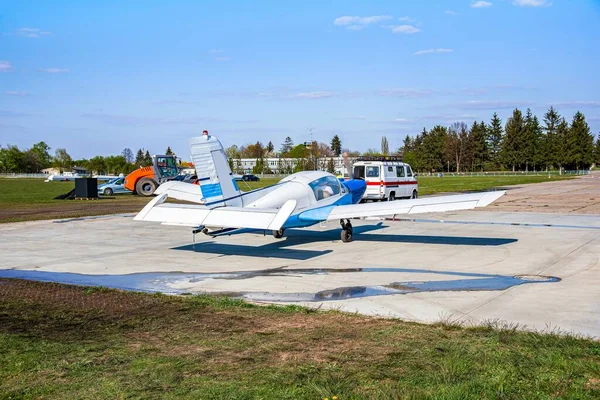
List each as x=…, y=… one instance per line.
x=551, y=121
x=270, y=147
x=494, y=140
x=479, y=143
x=147, y=159
x=336, y=145
x=581, y=143
x=287, y=146
x=139, y=158
x=433, y=148
x=513, y=146
x=561, y=152
x=529, y=139
x=385, y=146
x=597, y=152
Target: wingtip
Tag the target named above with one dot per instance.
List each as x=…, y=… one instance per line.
x=489, y=197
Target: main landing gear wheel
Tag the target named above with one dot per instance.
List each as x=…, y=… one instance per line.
x=346, y=230
x=278, y=234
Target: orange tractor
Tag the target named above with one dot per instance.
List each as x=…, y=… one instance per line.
x=145, y=180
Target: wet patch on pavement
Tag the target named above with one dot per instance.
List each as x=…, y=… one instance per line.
x=170, y=282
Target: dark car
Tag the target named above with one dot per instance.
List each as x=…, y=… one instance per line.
x=250, y=177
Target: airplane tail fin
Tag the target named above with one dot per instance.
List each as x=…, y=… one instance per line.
x=214, y=174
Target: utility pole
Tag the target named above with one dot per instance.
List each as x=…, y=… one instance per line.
x=312, y=151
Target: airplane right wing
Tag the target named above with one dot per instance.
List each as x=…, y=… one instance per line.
x=413, y=206
x=193, y=215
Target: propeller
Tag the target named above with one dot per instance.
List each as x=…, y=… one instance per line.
x=348, y=166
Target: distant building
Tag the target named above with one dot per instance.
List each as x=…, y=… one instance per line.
x=284, y=165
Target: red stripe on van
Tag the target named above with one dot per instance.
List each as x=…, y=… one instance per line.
x=392, y=183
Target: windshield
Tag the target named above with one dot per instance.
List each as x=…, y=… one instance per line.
x=325, y=187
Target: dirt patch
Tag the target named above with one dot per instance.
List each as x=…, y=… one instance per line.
x=71, y=209
x=572, y=196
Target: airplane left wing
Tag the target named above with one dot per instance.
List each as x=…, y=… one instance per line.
x=413, y=206
x=193, y=215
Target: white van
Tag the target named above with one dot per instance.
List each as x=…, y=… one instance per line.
x=387, y=178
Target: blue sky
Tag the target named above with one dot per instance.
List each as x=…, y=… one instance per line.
x=96, y=77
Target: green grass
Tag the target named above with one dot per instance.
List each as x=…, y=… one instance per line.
x=32, y=199
x=69, y=342
x=432, y=184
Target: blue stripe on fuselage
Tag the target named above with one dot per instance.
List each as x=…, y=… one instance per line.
x=315, y=215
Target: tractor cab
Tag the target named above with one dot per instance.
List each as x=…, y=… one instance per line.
x=165, y=166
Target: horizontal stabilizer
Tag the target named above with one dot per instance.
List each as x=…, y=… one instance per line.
x=181, y=191
x=415, y=206
x=193, y=215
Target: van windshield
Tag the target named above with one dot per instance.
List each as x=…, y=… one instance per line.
x=372, y=172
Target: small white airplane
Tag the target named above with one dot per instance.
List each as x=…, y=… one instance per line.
x=299, y=200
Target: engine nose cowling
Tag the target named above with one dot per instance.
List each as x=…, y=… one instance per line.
x=357, y=187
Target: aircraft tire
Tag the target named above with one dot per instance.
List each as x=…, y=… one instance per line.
x=146, y=186
x=278, y=234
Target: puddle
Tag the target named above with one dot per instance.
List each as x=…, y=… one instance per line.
x=164, y=282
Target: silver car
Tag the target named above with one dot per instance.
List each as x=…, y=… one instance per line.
x=113, y=186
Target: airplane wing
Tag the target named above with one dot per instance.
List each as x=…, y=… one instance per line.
x=414, y=206
x=193, y=215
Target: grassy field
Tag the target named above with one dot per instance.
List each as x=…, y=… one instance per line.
x=32, y=199
x=70, y=342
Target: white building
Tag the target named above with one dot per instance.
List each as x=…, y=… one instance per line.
x=285, y=165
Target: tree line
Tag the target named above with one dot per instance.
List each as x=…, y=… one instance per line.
x=522, y=144
x=38, y=157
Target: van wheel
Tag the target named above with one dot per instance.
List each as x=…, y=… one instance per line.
x=146, y=186
x=414, y=194
x=392, y=196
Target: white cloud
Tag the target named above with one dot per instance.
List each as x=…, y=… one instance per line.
x=429, y=51
x=15, y=93
x=531, y=3
x=348, y=20
x=450, y=12
x=406, y=29
x=405, y=92
x=405, y=19
x=313, y=95
x=5, y=66
x=481, y=4
x=575, y=104
x=491, y=105
x=32, y=33
x=56, y=70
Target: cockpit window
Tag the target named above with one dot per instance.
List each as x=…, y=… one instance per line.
x=372, y=172
x=324, y=187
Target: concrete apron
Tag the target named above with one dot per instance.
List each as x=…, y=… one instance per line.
x=542, y=274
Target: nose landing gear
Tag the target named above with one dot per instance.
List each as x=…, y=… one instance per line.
x=346, y=230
